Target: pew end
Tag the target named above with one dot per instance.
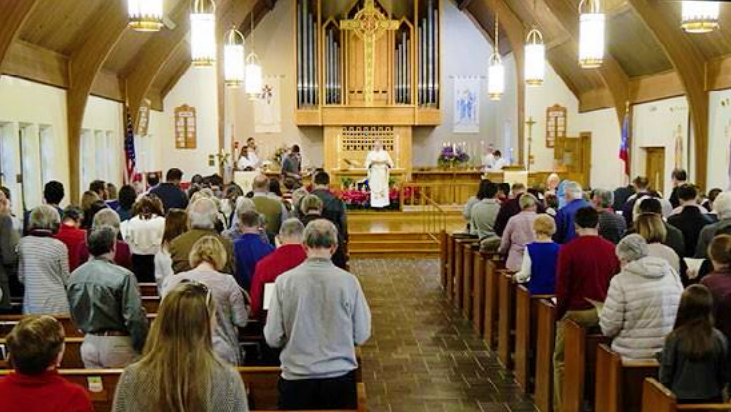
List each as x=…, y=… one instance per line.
x=581, y=343
x=658, y=398
x=618, y=383
x=526, y=321
x=545, y=343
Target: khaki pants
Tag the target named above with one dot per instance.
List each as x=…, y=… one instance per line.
x=586, y=318
x=107, y=351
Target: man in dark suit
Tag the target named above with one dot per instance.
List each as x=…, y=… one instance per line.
x=333, y=209
x=170, y=194
x=691, y=219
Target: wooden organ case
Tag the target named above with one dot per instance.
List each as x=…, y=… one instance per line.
x=362, y=65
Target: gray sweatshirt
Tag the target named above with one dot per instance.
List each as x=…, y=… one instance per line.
x=317, y=314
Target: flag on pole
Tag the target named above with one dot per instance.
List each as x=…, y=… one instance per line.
x=624, y=145
x=129, y=151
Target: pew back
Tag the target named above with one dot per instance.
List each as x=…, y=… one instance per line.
x=657, y=398
x=491, y=301
x=545, y=342
x=526, y=322
x=506, y=318
x=579, y=365
x=618, y=383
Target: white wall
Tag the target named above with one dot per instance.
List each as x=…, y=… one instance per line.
x=719, y=139
x=466, y=52
x=607, y=171
x=106, y=118
x=656, y=124
x=196, y=88
x=273, y=44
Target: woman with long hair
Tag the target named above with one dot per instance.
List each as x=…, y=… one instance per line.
x=176, y=223
x=178, y=371
x=143, y=233
x=694, y=363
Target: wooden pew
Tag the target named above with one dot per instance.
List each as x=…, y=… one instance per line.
x=151, y=303
x=580, y=346
x=526, y=322
x=619, y=384
x=468, y=269
x=148, y=289
x=261, y=384
x=478, y=290
x=71, y=358
x=451, y=261
x=443, y=257
x=545, y=342
x=657, y=398
x=491, y=302
x=506, y=318
x=8, y=322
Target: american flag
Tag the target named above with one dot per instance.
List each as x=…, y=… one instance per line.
x=624, y=145
x=129, y=151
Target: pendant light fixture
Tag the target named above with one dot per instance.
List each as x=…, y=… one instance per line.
x=254, y=81
x=535, y=55
x=203, y=33
x=145, y=15
x=233, y=58
x=496, y=71
x=700, y=16
x=592, y=23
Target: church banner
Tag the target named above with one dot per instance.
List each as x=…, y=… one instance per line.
x=466, y=105
x=267, y=109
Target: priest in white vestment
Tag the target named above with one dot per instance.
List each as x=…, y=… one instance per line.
x=378, y=163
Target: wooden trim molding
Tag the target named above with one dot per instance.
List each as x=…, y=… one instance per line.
x=13, y=15
x=689, y=64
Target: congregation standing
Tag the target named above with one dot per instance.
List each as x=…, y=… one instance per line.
x=211, y=251
x=627, y=262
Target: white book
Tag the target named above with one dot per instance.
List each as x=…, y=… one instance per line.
x=268, y=293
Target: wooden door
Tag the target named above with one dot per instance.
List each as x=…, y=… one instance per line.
x=655, y=167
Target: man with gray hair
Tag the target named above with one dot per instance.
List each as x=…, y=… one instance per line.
x=272, y=208
x=202, y=217
x=722, y=207
x=611, y=225
x=565, y=230
x=109, y=218
x=317, y=315
x=289, y=255
x=106, y=305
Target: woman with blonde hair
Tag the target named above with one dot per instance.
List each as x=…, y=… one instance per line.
x=179, y=371
x=540, y=258
x=652, y=228
x=207, y=258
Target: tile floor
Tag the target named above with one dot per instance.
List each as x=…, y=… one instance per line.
x=422, y=355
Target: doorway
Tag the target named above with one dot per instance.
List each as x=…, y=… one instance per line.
x=655, y=167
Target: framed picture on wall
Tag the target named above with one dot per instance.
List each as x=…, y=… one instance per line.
x=185, y=127
x=555, y=124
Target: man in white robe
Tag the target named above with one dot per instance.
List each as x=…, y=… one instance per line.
x=378, y=163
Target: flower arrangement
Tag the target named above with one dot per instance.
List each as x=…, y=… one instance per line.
x=279, y=155
x=452, y=156
x=361, y=199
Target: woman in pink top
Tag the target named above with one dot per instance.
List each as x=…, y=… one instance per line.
x=518, y=233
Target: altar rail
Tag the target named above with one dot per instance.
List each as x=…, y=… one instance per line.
x=421, y=193
x=434, y=220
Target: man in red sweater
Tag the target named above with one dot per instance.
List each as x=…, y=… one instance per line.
x=71, y=235
x=289, y=255
x=36, y=348
x=585, y=266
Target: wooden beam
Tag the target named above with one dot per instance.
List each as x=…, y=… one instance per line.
x=595, y=99
x=463, y=4
x=144, y=67
x=12, y=17
x=655, y=87
x=612, y=74
x=84, y=64
x=689, y=63
x=31, y=62
x=718, y=73
x=107, y=85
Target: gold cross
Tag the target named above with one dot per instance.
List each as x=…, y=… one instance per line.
x=369, y=24
x=530, y=123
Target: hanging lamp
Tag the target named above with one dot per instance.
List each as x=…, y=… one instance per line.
x=535, y=58
x=145, y=15
x=591, y=34
x=254, y=81
x=203, y=33
x=496, y=71
x=233, y=58
x=700, y=16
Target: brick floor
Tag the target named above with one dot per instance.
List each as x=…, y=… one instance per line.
x=422, y=355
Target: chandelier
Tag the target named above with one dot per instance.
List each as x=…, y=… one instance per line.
x=254, y=81
x=496, y=70
x=591, y=34
x=535, y=58
x=700, y=16
x=145, y=15
x=203, y=33
x=233, y=58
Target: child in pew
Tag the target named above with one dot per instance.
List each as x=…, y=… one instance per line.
x=539, y=261
x=694, y=363
x=36, y=349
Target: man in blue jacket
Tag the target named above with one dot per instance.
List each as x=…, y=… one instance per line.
x=565, y=230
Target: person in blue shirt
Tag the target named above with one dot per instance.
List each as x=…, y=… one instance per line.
x=249, y=248
x=539, y=260
x=565, y=230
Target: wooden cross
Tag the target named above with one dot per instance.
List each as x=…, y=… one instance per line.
x=369, y=24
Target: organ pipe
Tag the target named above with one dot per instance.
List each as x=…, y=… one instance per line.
x=300, y=57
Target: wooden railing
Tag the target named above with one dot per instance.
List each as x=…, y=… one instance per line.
x=440, y=193
x=434, y=220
